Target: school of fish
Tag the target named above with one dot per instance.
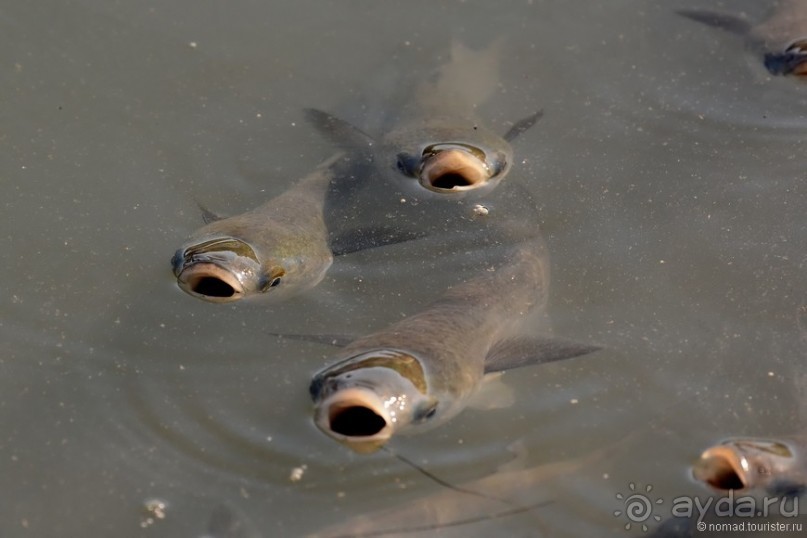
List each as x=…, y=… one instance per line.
x=436, y=173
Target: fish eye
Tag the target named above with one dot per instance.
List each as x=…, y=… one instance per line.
x=271, y=284
x=499, y=164
x=271, y=278
x=426, y=413
x=407, y=164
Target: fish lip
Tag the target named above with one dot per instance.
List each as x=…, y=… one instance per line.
x=191, y=276
x=722, y=466
x=336, y=404
x=457, y=164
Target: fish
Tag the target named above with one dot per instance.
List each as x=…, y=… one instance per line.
x=781, y=39
x=447, y=509
x=436, y=143
x=776, y=466
x=422, y=370
x=376, y=200
x=771, y=466
x=277, y=250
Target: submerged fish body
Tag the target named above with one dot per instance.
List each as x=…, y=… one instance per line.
x=438, y=513
x=276, y=250
x=781, y=38
x=419, y=372
x=436, y=143
x=475, y=508
x=776, y=466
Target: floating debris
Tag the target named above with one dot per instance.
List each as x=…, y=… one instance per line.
x=153, y=510
x=481, y=211
x=297, y=473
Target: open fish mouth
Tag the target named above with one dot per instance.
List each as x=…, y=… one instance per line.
x=210, y=282
x=452, y=169
x=356, y=417
x=723, y=467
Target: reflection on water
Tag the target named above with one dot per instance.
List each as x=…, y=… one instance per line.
x=668, y=179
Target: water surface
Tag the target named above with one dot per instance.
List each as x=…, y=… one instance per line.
x=669, y=180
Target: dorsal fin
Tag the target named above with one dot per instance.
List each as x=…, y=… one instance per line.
x=523, y=125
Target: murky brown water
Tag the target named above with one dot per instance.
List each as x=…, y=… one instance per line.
x=669, y=178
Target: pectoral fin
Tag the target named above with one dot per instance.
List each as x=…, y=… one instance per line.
x=340, y=133
x=523, y=125
x=725, y=21
x=525, y=351
x=365, y=238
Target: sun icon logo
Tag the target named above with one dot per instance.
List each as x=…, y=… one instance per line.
x=638, y=507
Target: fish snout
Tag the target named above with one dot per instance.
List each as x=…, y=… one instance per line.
x=210, y=282
x=356, y=417
x=723, y=467
x=453, y=170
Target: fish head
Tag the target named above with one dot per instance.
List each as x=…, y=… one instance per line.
x=448, y=161
x=741, y=464
x=793, y=61
x=364, y=400
x=223, y=269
